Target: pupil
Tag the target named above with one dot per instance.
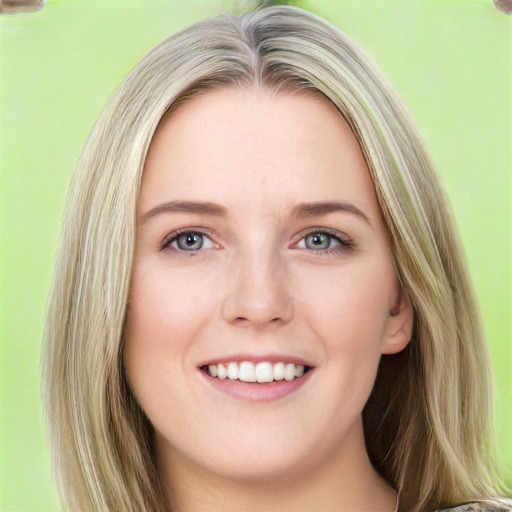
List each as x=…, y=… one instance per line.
x=191, y=239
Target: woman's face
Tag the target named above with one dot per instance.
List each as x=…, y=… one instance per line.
x=260, y=250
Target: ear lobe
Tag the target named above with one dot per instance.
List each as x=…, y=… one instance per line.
x=400, y=324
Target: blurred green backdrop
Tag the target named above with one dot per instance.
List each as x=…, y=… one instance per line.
x=450, y=60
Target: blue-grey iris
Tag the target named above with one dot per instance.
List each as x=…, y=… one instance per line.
x=318, y=241
x=190, y=241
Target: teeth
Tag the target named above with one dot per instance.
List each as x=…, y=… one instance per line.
x=264, y=372
x=222, y=373
x=289, y=372
x=279, y=371
x=261, y=372
x=232, y=371
x=247, y=372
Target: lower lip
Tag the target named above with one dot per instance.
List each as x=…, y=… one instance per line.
x=257, y=392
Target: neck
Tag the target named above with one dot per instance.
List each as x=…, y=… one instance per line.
x=347, y=481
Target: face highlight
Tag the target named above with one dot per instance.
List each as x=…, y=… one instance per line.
x=263, y=291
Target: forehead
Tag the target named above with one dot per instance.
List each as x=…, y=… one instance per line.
x=249, y=145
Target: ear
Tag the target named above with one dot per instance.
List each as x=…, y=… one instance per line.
x=400, y=324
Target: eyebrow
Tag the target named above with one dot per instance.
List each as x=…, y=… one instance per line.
x=324, y=208
x=203, y=208
x=301, y=210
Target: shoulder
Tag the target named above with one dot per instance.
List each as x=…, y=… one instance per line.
x=481, y=506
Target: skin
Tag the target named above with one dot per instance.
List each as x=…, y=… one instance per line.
x=256, y=287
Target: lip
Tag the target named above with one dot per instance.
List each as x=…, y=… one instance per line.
x=253, y=391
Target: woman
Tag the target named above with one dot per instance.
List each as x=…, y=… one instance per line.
x=260, y=302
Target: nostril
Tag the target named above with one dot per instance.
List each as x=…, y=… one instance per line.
x=249, y=305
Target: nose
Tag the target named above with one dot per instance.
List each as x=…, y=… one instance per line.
x=258, y=293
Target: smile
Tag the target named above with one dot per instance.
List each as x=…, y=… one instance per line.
x=262, y=372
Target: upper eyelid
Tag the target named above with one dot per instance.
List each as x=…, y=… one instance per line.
x=335, y=233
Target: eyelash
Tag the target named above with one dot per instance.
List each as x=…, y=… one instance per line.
x=345, y=243
x=172, y=237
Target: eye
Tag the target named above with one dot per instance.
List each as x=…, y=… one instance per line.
x=187, y=241
x=327, y=241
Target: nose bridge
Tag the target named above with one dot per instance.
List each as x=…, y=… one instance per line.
x=257, y=290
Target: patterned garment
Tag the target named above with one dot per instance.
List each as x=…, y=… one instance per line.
x=479, y=507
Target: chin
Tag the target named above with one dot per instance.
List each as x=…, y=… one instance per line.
x=249, y=456
x=257, y=467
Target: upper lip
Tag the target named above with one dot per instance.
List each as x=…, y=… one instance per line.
x=257, y=358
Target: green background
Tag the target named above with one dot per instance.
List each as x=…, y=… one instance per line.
x=449, y=60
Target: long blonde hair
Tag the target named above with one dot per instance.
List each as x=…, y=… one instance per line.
x=427, y=422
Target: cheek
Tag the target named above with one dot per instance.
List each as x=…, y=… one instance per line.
x=350, y=311
x=165, y=312
x=165, y=301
